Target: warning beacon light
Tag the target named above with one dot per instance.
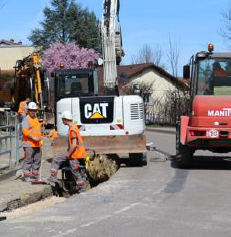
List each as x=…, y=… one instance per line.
x=61, y=65
x=210, y=47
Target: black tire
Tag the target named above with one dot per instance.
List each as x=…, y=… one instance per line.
x=184, y=154
x=145, y=159
x=137, y=159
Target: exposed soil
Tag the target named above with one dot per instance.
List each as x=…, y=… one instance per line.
x=35, y=207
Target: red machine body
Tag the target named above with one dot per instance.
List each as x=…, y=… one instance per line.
x=208, y=124
x=211, y=119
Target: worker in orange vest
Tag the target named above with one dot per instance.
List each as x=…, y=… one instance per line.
x=75, y=152
x=53, y=134
x=218, y=71
x=23, y=107
x=32, y=143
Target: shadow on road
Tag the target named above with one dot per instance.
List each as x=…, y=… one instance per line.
x=208, y=163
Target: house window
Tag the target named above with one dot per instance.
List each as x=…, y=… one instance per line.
x=147, y=98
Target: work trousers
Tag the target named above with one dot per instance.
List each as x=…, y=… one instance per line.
x=61, y=160
x=32, y=160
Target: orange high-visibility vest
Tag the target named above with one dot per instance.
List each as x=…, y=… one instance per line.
x=80, y=151
x=220, y=73
x=53, y=134
x=33, y=127
x=22, y=108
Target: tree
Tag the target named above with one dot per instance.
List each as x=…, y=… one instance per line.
x=173, y=55
x=225, y=31
x=66, y=21
x=148, y=55
x=69, y=54
x=177, y=103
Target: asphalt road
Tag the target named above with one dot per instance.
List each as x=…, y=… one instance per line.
x=155, y=200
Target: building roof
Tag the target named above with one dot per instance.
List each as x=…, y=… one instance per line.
x=11, y=42
x=126, y=72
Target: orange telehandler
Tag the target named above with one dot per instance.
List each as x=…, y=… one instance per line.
x=208, y=124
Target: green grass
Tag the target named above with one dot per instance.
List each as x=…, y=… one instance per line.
x=222, y=90
x=153, y=125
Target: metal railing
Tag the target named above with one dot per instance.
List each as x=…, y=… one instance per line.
x=7, y=118
x=10, y=137
x=6, y=141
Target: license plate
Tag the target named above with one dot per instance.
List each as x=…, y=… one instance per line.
x=213, y=134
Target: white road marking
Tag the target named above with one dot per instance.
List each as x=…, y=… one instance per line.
x=65, y=233
x=108, y=216
x=126, y=208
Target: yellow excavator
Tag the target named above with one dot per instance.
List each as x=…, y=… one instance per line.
x=28, y=79
x=31, y=81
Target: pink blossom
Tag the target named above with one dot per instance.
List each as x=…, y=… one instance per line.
x=69, y=54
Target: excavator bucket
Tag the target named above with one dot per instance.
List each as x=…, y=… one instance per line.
x=106, y=144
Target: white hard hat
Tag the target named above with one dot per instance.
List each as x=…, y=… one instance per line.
x=67, y=115
x=32, y=106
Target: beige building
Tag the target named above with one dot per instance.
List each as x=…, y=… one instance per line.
x=156, y=83
x=11, y=51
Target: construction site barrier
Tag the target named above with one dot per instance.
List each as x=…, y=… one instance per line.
x=10, y=137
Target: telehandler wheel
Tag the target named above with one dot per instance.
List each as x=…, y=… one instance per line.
x=137, y=159
x=184, y=154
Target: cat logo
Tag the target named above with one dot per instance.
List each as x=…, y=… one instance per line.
x=96, y=111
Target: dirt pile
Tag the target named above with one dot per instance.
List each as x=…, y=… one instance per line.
x=101, y=168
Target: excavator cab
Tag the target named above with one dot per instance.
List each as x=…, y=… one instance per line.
x=75, y=83
x=72, y=83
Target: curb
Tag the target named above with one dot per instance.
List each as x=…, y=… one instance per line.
x=159, y=130
x=26, y=199
x=6, y=172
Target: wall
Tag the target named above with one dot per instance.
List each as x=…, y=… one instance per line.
x=160, y=85
x=10, y=54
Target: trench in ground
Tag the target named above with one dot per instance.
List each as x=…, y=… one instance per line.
x=35, y=202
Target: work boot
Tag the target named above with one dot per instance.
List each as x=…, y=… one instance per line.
x=52, y=180
x=35, y=175
x=28, y=179
x=26, y=176
x=81, y=186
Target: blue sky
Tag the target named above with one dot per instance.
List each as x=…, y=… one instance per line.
x=193, y=24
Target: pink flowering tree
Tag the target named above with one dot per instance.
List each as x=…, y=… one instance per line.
x=69, y=54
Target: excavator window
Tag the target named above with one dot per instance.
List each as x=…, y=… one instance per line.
x=72, y=85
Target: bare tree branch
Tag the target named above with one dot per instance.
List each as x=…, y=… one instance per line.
x=225, y=30
x=148, y=55
x=173, y=55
